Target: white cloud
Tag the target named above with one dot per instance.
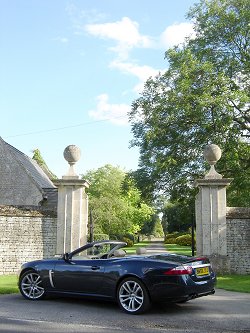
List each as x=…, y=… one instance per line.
x=126, y=36
x=124, y=32
x=176, y=34
x=115, y=113
x=141, y=72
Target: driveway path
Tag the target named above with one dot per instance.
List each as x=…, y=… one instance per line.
x=156, y=246
x=224, y=312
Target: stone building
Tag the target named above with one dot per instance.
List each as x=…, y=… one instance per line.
x=38, y=218
x=23, y=182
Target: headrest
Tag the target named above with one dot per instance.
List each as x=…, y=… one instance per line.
x=119, y=253
x=141, y=250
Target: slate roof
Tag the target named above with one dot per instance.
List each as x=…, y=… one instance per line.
x=34, y=171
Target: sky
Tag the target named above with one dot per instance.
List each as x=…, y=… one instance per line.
x=70, y=70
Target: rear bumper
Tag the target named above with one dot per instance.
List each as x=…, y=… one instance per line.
x=181, y=288
x=192, y=296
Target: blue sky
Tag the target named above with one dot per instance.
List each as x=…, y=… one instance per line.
x=70, y=69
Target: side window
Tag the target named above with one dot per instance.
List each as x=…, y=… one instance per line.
x=97, y=251
x=83, y=255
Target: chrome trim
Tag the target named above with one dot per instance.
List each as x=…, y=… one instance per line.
x=198, y=265
x=51, y=278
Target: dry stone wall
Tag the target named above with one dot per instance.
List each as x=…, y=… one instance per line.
x=238, y=240
x=24, y=238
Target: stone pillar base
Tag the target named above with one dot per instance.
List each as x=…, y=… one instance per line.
x=220, y=264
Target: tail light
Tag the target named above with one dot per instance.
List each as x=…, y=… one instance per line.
x=180, y=270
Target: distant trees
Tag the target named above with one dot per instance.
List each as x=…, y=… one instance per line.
x=116, y=204
x=203, y=97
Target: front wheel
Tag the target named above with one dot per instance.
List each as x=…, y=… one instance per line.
x=30, y=285
x=132, y=296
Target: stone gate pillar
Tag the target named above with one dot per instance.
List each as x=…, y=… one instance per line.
x=72, y=211
x=210, y=208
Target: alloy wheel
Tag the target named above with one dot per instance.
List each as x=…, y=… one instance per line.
x=131, y=296
x=31, y=286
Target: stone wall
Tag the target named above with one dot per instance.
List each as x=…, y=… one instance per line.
x=238, y=240
x=25, y=237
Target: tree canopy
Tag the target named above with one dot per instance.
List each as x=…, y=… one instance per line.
x=202, y=98
x=116, y=204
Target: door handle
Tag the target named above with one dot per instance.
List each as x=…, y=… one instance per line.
x=94, y=268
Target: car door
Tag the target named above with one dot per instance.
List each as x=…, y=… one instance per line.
x=79, y=275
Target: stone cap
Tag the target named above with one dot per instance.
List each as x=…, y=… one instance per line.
x=213, y=182
x=238, y=212
x=71, y=182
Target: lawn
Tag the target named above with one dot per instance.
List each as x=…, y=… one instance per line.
x=132, y=249
x=8, y=284
x=239, y=283
x=174, y=248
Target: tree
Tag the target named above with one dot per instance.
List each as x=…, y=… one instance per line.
x=202, y=98
x=115, y=202
x=177, y=217
x=40, y=161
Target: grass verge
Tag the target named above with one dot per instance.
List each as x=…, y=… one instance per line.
x=8, y=284
x=240, y=283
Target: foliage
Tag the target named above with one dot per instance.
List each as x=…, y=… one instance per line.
x=158, y=230
x=99, y=237
x=128, y=241
x=40, y=161
x=202, y=98
x=177, y=216
x=170, y=240
x=153, y=227
x=184, y=240
x=116, y=205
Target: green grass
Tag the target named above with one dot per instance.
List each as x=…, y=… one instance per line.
x=240, y=283
x=174, y=248
x=8, y=284
x=132, y=249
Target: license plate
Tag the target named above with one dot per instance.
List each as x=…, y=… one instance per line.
x=202, y=271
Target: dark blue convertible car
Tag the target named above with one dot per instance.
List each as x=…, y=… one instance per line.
x=104, y=270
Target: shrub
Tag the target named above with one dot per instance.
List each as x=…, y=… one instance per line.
x=184, y=240
x=128, y=241
x=99, y=237
x=170, y=240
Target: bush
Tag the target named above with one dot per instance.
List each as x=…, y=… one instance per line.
x=99, y=237
x=184, y=240
x=170, y=240
x=128, y=241
x=171, y=237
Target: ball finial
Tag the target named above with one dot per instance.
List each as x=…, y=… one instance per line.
x=212, y=154
x=71, y=154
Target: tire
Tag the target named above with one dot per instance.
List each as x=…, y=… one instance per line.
x=31, y=286
x=132, y=296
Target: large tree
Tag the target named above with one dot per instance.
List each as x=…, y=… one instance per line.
x=115, y=202
x=202, y=98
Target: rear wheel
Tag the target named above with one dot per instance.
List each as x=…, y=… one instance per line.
x=132, y=296
x=30, y=285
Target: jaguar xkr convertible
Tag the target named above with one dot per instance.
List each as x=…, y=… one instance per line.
x=104, y=270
